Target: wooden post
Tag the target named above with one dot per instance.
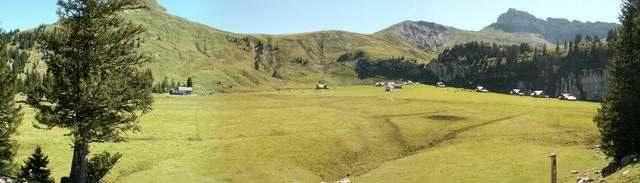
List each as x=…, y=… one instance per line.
x=553, y=166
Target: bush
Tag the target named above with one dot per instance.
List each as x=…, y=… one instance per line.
x=100, y=164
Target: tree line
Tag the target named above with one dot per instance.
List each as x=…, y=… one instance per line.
x=501, y=67
x=32, y=79
x=165, y=85
x=497, y=67
x=28, y=39
x=19, y=58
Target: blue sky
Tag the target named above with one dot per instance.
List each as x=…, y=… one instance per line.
x=361, y=16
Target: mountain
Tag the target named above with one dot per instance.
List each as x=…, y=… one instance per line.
x=555, y=30
x=225, y=61
x=433, y=37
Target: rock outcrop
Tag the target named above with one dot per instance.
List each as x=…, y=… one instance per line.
x=585, y=84
x=553, y=29
x=427, y=36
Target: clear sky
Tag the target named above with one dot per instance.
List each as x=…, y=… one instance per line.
x=361, y=16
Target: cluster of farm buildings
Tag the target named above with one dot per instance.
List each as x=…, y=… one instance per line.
x=393, y=86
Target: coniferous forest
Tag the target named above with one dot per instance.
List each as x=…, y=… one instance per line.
x=499, y=68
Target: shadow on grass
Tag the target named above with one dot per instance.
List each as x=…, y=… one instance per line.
x=613, y=167
x=406, y=115
x=408, y=150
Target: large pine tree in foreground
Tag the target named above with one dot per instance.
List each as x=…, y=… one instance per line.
x=10, y=116
x=95, y=91
x=619, y=116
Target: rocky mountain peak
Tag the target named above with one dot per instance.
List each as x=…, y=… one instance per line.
x=427, y=36
x=516, y=17
x=553, y=29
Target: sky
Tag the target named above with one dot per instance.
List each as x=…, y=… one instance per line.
x=360, y=16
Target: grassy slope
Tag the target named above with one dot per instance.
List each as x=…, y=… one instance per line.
x=632, y=176
x=183, y=48
x=489, y=35
x=310, y=136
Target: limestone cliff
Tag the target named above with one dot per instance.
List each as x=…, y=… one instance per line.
x=553, y=29
x=586, y=84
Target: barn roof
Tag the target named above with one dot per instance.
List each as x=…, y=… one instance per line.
x=185, y=88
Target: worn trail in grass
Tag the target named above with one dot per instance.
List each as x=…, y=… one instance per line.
x=361, y=132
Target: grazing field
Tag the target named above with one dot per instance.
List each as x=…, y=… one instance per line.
x=418, y=134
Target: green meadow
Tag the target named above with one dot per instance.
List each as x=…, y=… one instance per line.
x=417, y=134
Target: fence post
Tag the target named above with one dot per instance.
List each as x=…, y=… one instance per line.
x=553, y=166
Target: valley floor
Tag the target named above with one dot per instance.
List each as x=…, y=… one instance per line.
x=418, y=134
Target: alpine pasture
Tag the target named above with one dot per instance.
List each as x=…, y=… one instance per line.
x=417, y=134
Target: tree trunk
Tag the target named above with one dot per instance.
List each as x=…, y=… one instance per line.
x=80, y=162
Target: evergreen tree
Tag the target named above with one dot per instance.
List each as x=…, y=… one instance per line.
x=570, y=47
x=35, y=168
x=10, y=116
x=47, y=81
x=173, y=83
x=19, y=85
x=149, y=73
x=97, y=90
x=164, y=85
x=33, y=85
x=100, y=165
x=189, y=82
x=619, y=116
x=158, y=88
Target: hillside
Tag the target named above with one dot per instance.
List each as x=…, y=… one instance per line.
x=226, y=61
x=555, y=30
x=433, y=37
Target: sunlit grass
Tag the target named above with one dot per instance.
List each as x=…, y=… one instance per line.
x=363, y=132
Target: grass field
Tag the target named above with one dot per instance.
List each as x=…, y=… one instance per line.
x=361, y=132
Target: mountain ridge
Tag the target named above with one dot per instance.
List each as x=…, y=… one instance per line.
x=555, y=30
x=434, y=37
x=225, y=61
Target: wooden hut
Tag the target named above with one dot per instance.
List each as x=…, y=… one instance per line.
x=538, y=93
x=181, y=91
x=481, y=89
x=566, y=96
x=320, y=86
x=514, y=91
x=408, y=82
